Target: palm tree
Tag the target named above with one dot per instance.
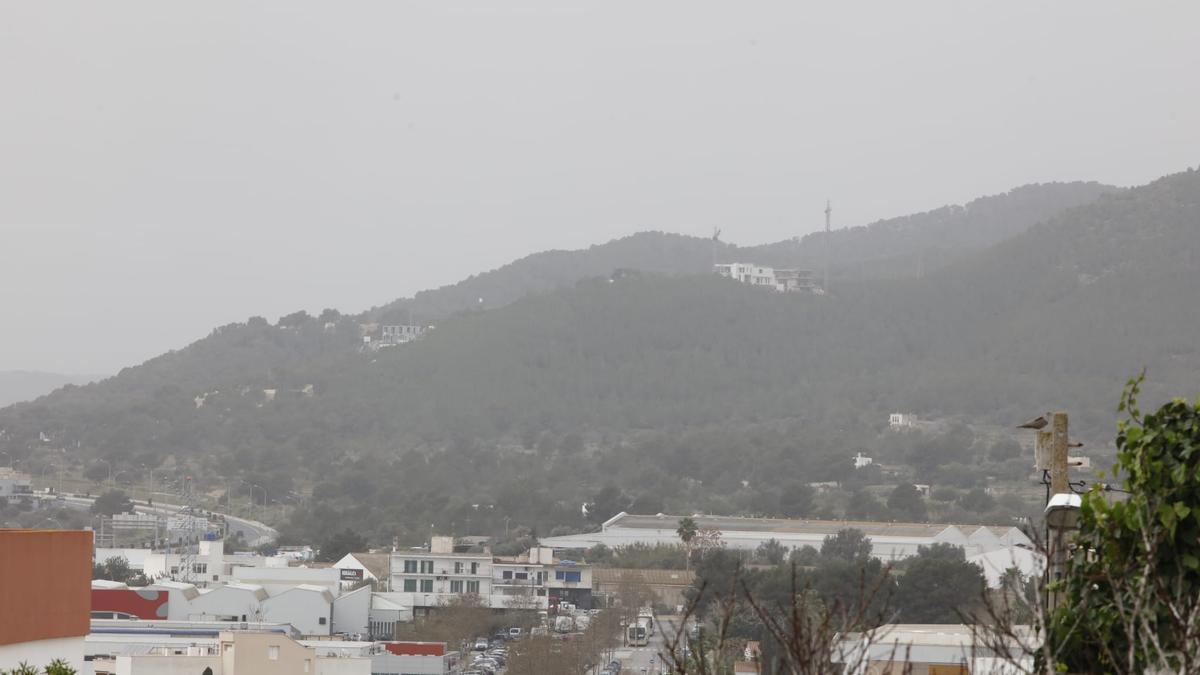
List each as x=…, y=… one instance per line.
x=687, y=531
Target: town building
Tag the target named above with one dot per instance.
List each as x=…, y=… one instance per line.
x=440, y=575
x=399, y=334
x=238, y=653
x=929, y=649
x=889, y=540
x=387, y=610
x=666, y=587
x=14, y=485
x=901, y=421
x=414, y=658
x=862, y=461
x=45, y=595
x=373, y=567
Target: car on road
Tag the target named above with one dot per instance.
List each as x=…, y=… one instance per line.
x=515, y=633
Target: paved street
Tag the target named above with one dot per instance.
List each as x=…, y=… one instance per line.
x=649, y=659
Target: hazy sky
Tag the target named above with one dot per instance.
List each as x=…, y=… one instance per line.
x=169, y=167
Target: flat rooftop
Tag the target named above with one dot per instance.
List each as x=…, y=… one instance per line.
x=787, y=526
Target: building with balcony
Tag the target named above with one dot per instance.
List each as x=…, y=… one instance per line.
x=440, y=575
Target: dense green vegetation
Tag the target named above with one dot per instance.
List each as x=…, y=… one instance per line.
x=655, y=391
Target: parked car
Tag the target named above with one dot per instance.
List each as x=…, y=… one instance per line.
x=481, y=645
x=515, y=633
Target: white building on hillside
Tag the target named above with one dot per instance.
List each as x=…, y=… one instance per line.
x=782, y=280
x=752, y=275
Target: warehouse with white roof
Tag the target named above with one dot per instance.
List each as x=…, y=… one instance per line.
x=889, y=541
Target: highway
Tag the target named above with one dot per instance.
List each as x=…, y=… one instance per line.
x=254, y=532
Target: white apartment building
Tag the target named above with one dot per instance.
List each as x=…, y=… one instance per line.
x=534, y=580
x=440, y=575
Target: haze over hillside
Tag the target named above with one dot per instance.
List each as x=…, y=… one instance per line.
x=22, y=385
x=1057, y=315
x=897, y=247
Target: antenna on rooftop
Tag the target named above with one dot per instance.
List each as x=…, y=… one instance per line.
x=828, y=213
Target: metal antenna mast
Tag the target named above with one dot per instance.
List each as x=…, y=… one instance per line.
x=828, y=213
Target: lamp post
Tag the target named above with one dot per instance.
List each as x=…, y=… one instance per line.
x=1062, y=520
x=109, y=464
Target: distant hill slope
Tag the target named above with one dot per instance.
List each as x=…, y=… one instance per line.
x=893, y=248
x=1045, y=318
x=24, y=385
x=661, y=382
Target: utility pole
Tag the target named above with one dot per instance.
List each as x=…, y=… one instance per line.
x=1059, y=481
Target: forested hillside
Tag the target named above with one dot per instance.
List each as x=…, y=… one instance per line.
x=661, y=383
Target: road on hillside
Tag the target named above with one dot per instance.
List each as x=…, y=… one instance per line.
x=253, y=532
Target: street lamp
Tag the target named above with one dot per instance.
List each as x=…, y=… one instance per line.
x=1062, y=519
x=109, y=468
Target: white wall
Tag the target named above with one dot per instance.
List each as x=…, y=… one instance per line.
x=167, y=665
x=391, y=664
x=343, y=666
x=279, y=579
x=39, y=653
x=351, y=611
x=303, y=609
x=223, y=601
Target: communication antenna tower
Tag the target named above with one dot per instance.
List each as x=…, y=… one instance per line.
x=828, y=213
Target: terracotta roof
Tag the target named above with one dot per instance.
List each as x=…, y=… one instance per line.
x=378, y=564
x=649, y=577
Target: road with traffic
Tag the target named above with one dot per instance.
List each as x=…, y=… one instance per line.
x=253, y=532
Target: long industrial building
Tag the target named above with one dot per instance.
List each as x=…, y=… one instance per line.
x=890, y=541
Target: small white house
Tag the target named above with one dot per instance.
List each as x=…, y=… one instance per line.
x=861, y=460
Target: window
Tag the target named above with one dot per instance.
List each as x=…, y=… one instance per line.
x=474, y=568
x=410, y=566
x=458, y=568
x=272, y=653
x=507, y=574
x=456, y=586
x=199, y=568
x=568, y=576
x=427, y=585
x=426, y=567
x=410, y=585
x=522, y=575
x=472, y=586
x=321, y=620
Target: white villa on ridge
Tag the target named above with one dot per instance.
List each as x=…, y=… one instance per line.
x=782, y=280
